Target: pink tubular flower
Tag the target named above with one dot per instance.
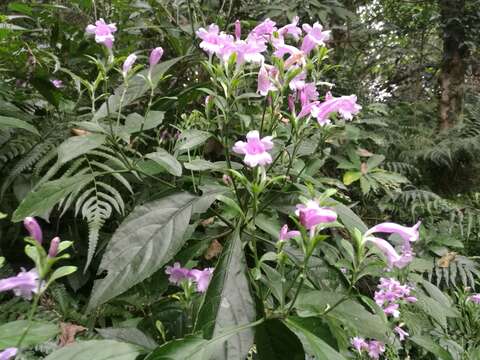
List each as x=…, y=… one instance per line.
x=345, y=105
x=291, y=103
x=238, y=30
x=127, y=65
x=359, y=344
x=296, y=55
x=393, y=258
x=249, y=51
x=103, y=32
x=202, y=278
x=33, y=228
x=8, y=353
x=375, y=349
x=255, y=149
x=24, y=284
x=264, y=83
x=155, y=56
x=314, y=37
x=263, y=30
x=475, y=298
x=402, y=334
x=53, y=250
x=57, y=83
x=291, y=29
x=177, y=273
x=312, y=214
x=285, y=234
x=212, y=39
x=410, y=234
x=390, y=293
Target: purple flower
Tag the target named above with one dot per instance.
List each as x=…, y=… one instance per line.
x=263, y=30
x=57, y=83
x=291, y=103
x=33, y=228
x=212, y=39
x=103, y=32
x=375, y=349
x=314, y=36
x=474, y=298
x=291, y=29
x=53, y=250
x=390, y=293
x=359, y=343
x=298, y=82
x=345, y=105
x=402, y=334
x=177, y=273
x=249, y=51
x=24, y=284
x=8, y=353
x=307, y=93
x=312, y=214
x=127, y=65
x=238, y=30
x=202, y=278
x=285, y=234
x=264, y=83
x=255, y=149
x=296, y=55
x=155, y=56
x=410, y=234
x=393, y=258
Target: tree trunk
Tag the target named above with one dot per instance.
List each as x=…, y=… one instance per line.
x=452, y=72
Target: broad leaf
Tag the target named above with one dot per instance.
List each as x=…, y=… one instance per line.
x=190, y=139
x=312, y=343
x=428, y=344
x=96, y=349
x=79, y=145
x=146, y=240
x=348, y=217
x=44, y=198
x=38, y=333
x=351, y=176
x=168, y=161
x=130, y=335
x=228, y=302
x=137, y=87
x=12, y=123
x=274, y=341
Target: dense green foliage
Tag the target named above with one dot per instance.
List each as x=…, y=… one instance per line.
x=136, y=171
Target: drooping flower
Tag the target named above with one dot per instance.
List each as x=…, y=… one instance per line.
x=375, y=349
x=53, y=250
x=212, y=39
x=57, y=83
x=346, y=106
x=359, y=343
x=312, y=214
x=33, y=228
x=127, y=65
x=410, y=234
x=402, y=334
x=155, y=56
x=103, y=32
x=263, y=30
x=255, y=149
x=8, y=353
x=264, y=83
x=285, y=234
x=202, y=278
x=475, y=298
x=393, y=258
x=315, y=36
x=24, y=284
x=177, y=273
x=291, y=29
x=297, y=56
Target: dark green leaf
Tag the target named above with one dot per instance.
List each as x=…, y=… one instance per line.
x=275, y=341
x=78, y=145
x=168, y=161
x=38, y=333
x=12, y=123
x=129, y=335
x=96, y=349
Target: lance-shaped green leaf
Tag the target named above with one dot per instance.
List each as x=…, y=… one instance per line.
x=137, y=87
x=12, y=123
x=79, y=145
x=47, y=195
x=275, y=341
x=145, y=241
x=96, y=349
x=228, y=303
x=38, y=333
x=166, y=160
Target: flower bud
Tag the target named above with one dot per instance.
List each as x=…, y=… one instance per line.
x=155, y=56
x=33, y=228
x=238, y=30
x=53, y=250
x=127, y=65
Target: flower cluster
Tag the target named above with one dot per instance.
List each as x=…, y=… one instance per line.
x=408, y=234
x=389, y=295
x=8, y=353
x=178, y=275
x=373, y=348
